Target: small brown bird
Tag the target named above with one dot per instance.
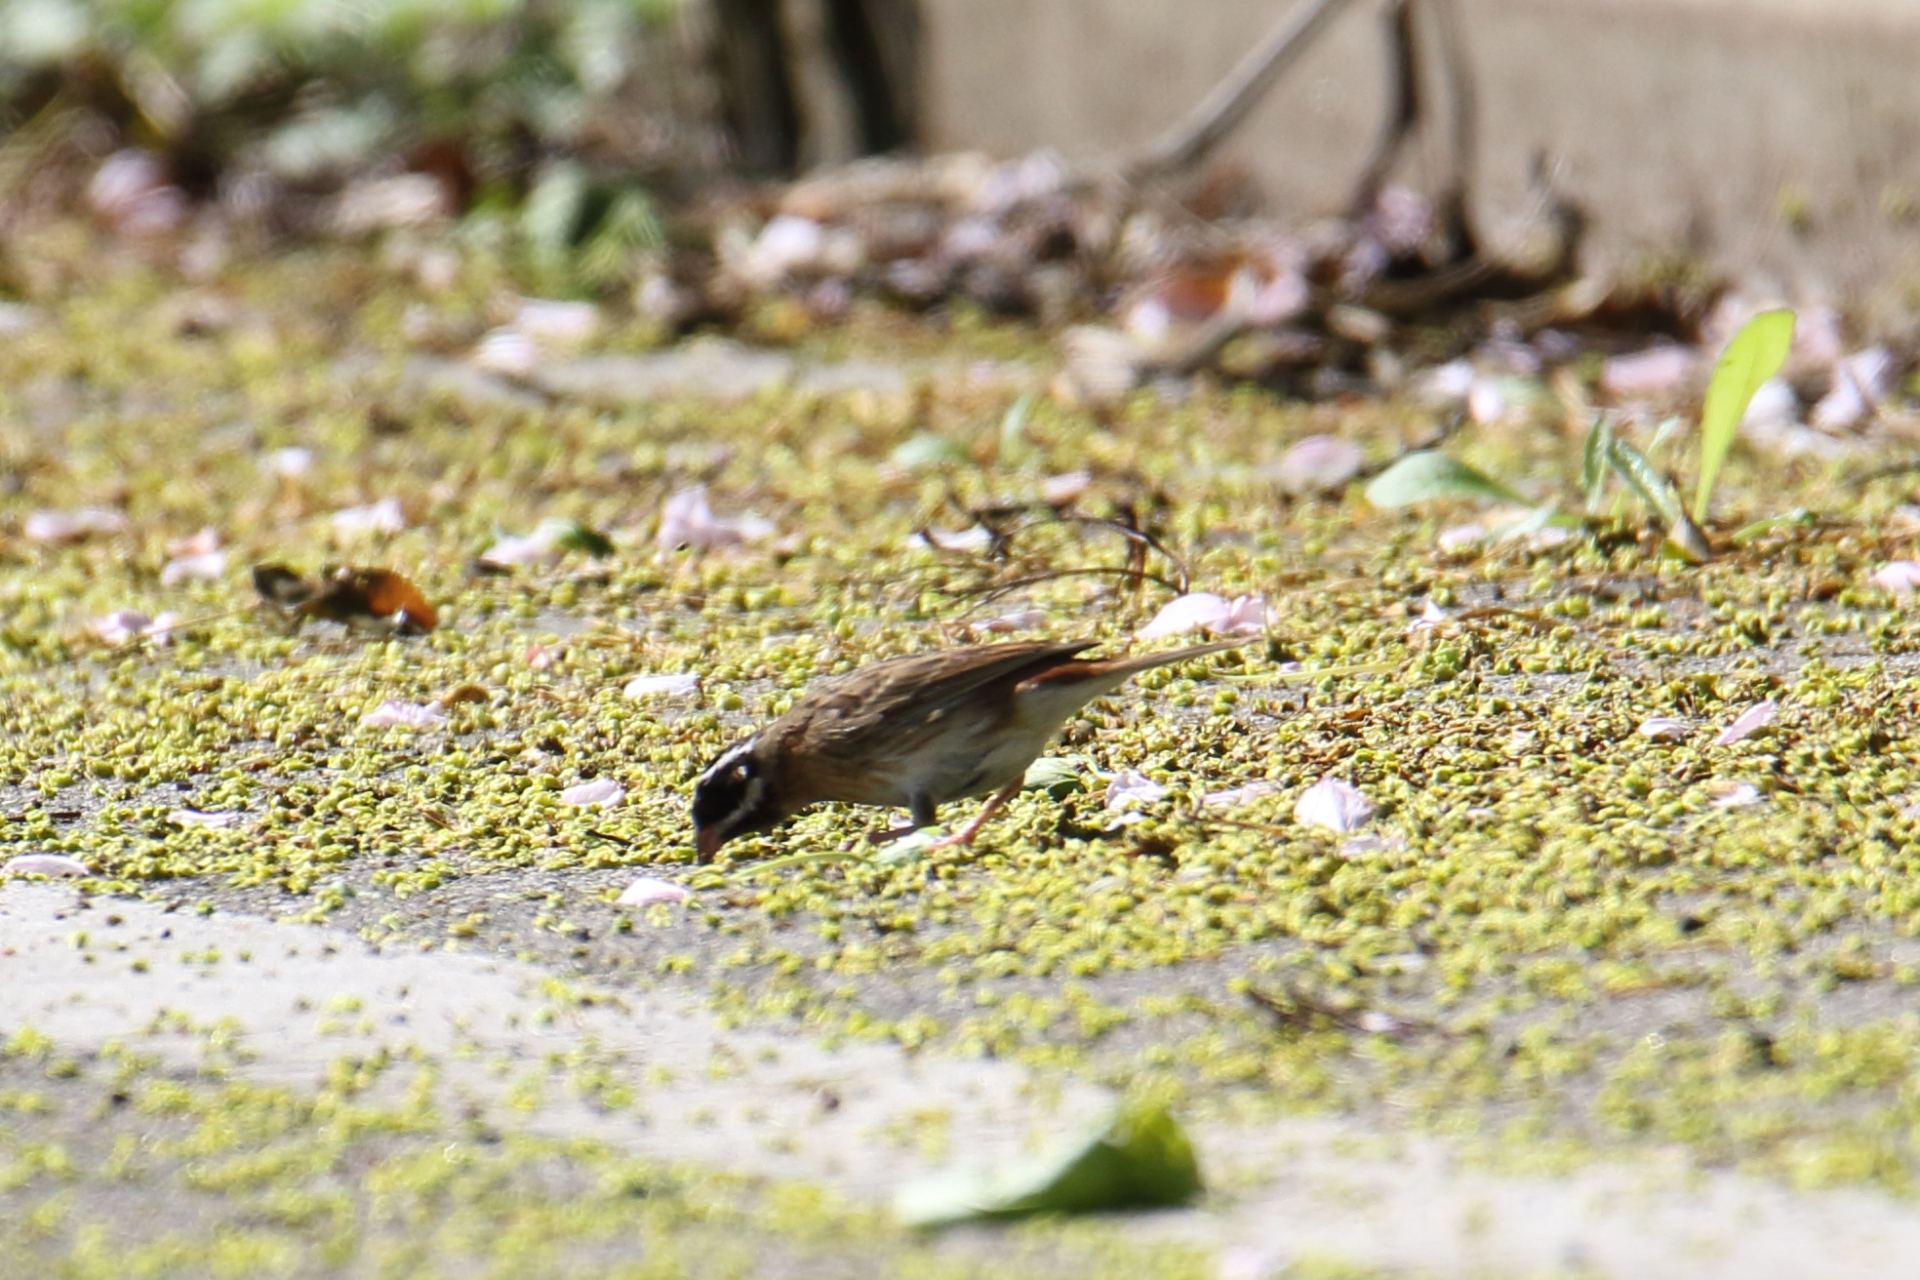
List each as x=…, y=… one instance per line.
x=914, y=732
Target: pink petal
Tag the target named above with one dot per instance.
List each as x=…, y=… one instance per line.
x=1017, y=620
x=668, y=686
x=1665, y=728
x=395, y=714
x=199, y=544
x=1659, y=370
x=1319, y=462
x=1735, y=795
x=53, y=527
x=208, y=565
x=1899, y=578
x=120, y=626
x=1238, y=795
x=1198, y=610
x=506, y=350
x=1058, y=491
x=557, y=322
x=1757, y=716
x=646, y=891
x=289, y=463
x=604, y=792
x=1333, y=804
x=1131, y=788
x=195, y=818
x=976, y=538
x=383, y=516
x=45, y=864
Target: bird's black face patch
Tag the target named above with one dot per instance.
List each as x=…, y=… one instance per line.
x=731, y=797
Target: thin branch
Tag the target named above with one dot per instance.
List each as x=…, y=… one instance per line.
x=1463, y=151
x=988, y=594
x=1403, y=116
x=1222, y=110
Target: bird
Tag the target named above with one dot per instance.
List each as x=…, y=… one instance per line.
x=913, y=732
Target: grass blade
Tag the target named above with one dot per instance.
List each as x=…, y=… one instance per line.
x=1755, y=354
x=1429, y=476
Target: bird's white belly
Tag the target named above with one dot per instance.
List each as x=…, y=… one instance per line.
x=956, y=765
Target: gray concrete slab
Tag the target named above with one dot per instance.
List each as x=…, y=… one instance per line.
x=1775, y=139
x=293, y=999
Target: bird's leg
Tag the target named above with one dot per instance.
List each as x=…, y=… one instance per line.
x=966, y=834
x=921, y=810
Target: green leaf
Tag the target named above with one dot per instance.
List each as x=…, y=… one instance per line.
x=1645, y=480
x=1013, y=426
x=1593, y=463
x=1683, y=535
x=927, y=450
x=1141, y=1159
x=1429, y=476
x=1058, y=776
x=1755, y=354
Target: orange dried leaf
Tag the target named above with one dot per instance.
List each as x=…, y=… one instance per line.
x=382, y=594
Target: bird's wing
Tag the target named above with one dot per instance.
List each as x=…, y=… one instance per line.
x=906, y=696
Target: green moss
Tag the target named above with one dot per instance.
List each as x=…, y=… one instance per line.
x=1547, y=887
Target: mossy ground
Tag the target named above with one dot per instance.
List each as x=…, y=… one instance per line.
x=1582, y=948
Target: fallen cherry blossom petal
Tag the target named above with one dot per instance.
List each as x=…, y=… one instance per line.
x=1431, y=616
x=664, y=686
x=1460, y=538
x=1130, y=788
x=546, y=320
x=395, y=714
x=1756, y=717
x=55, y=527
x=1735, y=795
x=1333, y=804
x=1371, y=844
x=1860, y=383
x=1659, y=370
x=506, y=350
x=45, y=864
x=604, y=792
x=399, y=200
x=542, y=657
x=384, y=516
x=1017, y=620
x=289, y=463
x=195, y=818
x=646, y=891
x=1238, y=795
x=120, y=626
x=1486, y=401
x=1901, y=578
x=1665, y=728
x=1058, y=491
x=687, y=520
x=1318, y=463
x=208, y=566
x=976, y=538
x=1449, y=383
x=198, y=544
x=1205, y=611
x=536, y=548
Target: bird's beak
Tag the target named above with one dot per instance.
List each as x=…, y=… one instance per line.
x=706, y=842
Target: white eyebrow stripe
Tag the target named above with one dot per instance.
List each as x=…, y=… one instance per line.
x=727, y=758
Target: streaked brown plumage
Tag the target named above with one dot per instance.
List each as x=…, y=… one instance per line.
x=913, y=732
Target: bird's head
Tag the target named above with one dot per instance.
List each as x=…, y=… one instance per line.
x=734, y=797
